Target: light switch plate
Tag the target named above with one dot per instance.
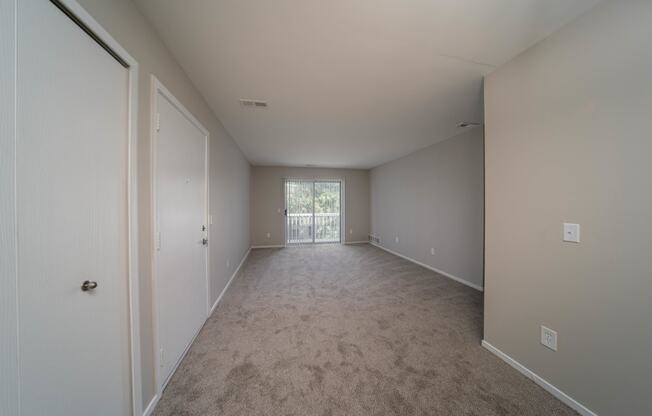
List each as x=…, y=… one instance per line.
x=571, y=232
x=549, y=338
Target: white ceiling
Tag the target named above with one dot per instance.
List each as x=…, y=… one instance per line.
x=350, y=83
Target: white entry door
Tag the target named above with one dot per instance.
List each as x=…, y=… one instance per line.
x=181, y=231
x=71, y=181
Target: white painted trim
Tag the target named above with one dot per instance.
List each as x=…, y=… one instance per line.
x=132, y=199
x=569, y=401
x=156, y=88
x=271, y=246
x=152, y=405
x=357, y=242
x=207, y=220
x=434, y=269
x=342, y=210
x=235, y=273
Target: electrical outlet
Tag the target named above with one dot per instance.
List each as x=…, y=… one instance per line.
x=549, y=338
x=432, y=251
x=228, y=264
x=351, y=231
x=571, y=233
x=269, y=235
x=396, y=239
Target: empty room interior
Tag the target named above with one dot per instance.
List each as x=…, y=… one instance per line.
x=325, y=208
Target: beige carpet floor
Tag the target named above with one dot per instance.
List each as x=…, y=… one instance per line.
x=347, y=330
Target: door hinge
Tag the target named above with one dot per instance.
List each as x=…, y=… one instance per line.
x=158, y=122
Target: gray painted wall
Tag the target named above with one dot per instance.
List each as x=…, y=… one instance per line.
x=9, y=403
x=229, y=170
x=568, y=140
x=267, y=199
x=433, y=198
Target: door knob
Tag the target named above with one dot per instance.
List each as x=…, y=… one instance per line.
x=88, y=285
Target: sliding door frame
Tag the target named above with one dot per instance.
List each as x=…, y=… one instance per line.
x=313, y=181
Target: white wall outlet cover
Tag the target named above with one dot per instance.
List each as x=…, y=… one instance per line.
x=396, y=239
x=228, y=264
x=351, y=231
x=571, y=232
x=432, y=251
x=549, y=338
x=269, y=235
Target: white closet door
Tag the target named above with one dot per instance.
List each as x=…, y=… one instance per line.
x=71, y=170
x=181, y=279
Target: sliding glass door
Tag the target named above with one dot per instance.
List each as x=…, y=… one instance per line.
x=313, y=211
x=299, y=211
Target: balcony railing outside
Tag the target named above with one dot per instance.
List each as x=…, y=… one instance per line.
x=326, y=228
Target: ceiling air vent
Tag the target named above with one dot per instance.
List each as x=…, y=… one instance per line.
x=253, y=103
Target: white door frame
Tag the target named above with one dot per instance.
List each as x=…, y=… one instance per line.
x=85, y=19
x=159, y=88
x=314, y=179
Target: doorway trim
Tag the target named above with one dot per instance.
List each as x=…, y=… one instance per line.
x=158, y=88
x=133, y=296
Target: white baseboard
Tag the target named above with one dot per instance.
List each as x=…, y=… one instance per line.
x=434, y=269
x=152, y=404
x=235, y=273
x=299, y=245
x=569, y=401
